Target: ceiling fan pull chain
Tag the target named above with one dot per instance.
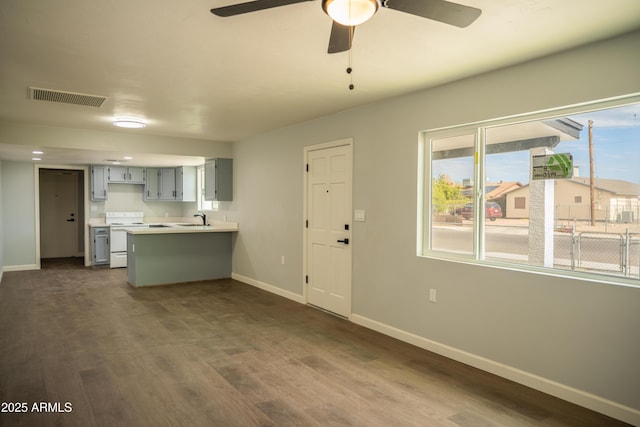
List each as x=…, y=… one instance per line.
x=350, y=68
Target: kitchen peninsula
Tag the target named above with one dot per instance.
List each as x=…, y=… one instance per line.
x=165, y=254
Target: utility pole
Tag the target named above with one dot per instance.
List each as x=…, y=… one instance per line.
x=592, y=178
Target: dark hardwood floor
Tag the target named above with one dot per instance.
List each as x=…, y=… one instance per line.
x=222, y=353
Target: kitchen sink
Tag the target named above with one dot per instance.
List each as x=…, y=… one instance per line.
x=157, y=225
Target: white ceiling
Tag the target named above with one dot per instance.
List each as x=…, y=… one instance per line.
x=191, y=74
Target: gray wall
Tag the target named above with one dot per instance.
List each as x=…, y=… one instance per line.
x=1, y=228
x=566, y=336
x=18, y=214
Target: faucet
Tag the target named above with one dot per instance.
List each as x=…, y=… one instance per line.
x=203, y=216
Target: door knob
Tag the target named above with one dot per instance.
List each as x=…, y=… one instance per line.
x=345, y=241
x=71, y=220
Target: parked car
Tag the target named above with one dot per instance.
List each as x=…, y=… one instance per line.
x=492, y=211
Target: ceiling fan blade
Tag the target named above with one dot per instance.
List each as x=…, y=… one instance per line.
x=438, y=10
x=252, y=6
x=341, y=38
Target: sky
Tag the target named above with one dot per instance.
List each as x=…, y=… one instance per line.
x=616, y=141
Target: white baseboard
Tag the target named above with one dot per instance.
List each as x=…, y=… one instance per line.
x=579, y=397
x=21, y=267
x=269, y=288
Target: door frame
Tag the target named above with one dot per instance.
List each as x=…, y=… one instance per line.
x=85, y=207
x=305, y=231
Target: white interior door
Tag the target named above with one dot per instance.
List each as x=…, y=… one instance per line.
x=58, y=213
x=329, y=228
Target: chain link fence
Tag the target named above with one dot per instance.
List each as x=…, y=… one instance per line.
x=618, y=254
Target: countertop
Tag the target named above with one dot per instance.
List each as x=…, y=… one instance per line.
x=177, y=227
x=218, y=227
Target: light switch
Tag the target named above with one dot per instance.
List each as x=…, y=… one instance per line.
x=358, y=215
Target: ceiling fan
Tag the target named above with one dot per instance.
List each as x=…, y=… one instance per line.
x=346, y=14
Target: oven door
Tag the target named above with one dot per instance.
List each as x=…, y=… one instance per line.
x=118, y=240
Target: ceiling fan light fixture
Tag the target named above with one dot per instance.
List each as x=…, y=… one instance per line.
x=350, y=12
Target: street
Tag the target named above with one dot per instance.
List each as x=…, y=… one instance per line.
x=594, y=250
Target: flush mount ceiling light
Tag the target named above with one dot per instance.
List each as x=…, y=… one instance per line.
x=350, y=12
x=129, y=123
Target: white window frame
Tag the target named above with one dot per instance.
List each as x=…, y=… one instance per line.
x=424, y=224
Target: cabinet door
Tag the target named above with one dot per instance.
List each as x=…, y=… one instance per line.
x=167, y=184
x=210, y=180
x=151, y=186
x=117, y=174
x=135, y=175
x=99, y=183
x=179, y=183
x=218, y=180
x=186, y=181
x=100, y=245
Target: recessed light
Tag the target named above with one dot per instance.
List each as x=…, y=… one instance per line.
x=128, y=158
x=37, y=152
x=36, y=158
x=129, y=123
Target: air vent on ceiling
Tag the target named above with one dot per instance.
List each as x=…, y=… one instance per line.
x=40, y=94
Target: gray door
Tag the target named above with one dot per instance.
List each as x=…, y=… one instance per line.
x=59, y=213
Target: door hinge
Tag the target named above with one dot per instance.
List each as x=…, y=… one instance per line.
x=306, y=224
x=307, y=167
x=306, y=279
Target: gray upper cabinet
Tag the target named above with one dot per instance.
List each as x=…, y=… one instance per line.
x=186, y=183
x=99, y=176
x=218, y=180
x=136, y=175
x=175, y=183
x=126, y=175
x=167, y=184
x=152, y=184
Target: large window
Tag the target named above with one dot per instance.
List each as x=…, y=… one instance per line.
x=558, y=191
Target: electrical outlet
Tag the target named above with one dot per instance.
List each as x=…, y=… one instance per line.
x=282, y=260
x=432, y=295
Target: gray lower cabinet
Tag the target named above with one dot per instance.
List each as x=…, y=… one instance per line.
x=100, y=253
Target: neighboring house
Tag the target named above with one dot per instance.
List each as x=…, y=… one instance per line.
x=616, y=200
x=495, y=191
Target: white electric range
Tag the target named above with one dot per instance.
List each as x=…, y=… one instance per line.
x=119, y=222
